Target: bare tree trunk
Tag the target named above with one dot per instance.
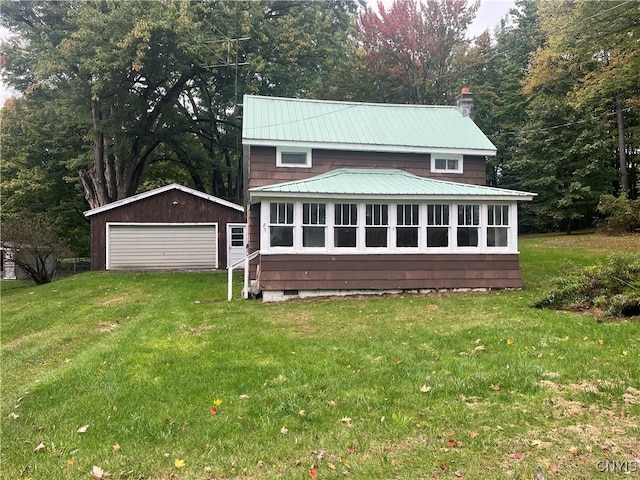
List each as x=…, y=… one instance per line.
x=622, y=154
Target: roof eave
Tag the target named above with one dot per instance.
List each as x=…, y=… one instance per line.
x=157, y=191
x=363, y=147
x=265, y=195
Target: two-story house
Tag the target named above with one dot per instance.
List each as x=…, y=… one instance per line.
x=366, y=198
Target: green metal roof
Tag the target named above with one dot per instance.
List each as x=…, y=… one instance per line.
x=379, y=182
x=368, y=126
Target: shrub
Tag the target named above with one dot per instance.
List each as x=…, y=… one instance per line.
x=613, y=287
x=35, y=246
x=621, y=215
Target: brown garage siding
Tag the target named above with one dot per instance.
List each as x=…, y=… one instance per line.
x=380, y=272
x=160, y=209
x=264, y=170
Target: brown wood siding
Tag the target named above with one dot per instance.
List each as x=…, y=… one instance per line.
x=253, y=234
x=384, y=272
x=263, y=170
x=160, y=209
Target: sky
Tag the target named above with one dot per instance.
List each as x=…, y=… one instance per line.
x=488, y=16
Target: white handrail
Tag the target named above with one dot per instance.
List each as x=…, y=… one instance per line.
x=230, y=268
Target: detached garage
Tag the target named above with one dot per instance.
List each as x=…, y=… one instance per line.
x=169, y=228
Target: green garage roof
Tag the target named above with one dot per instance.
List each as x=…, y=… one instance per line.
x=360, y=126
x=386, y=183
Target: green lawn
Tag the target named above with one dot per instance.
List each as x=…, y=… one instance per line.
x=123, y=371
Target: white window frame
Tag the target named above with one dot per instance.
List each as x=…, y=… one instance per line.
x=447, y=156
x=297, y=150
x=450, y=226
x=324, y=225
x=480, y=227
x=358, y=226
x=282, y=224
x=509, y=225
x=376, y=221
x=392, y=225
x=395, y=223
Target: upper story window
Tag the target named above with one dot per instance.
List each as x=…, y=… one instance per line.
x=281, y=225
x=293, y=157
x=446, y=163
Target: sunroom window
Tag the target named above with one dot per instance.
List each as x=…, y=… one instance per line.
x=346, y=224
x=376, y=225
x=314, y=220
x=281, y=225
x=498, y=225
x=407, y=230
x=468, y=225
x=438, y=225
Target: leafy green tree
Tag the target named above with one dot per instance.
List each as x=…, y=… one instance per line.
x=599, y=42
x=157, y=85
x=501, y=102
x=32, y=177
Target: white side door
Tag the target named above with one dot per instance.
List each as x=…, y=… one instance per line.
x=236, y=242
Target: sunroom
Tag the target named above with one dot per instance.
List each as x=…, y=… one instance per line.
x=314, y=233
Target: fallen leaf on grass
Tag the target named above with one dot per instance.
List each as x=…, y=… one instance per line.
x=510, y=342
x=116, y=447
x=83, y=429
x=516, y=456
x=458, y=473
x=14, y=416
x=284, y=430
x=452, y=443
x=313, y=473
x=425, y=388
x=41, y=446
x=97, y=472
x=179, y=463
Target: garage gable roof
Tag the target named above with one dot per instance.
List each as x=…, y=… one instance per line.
x=383, y=182
x=156, y=191
x=273, y=121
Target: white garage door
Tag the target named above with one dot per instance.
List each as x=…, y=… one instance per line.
x=162, y=247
